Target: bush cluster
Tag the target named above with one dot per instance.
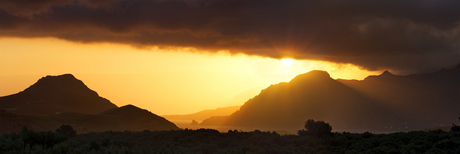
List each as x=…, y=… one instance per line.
x=211, y=141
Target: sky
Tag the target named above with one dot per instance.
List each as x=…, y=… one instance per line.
x=164, y=82
x=183, y=56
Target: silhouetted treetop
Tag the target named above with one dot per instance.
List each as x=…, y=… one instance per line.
x=66, y=130
x=316, y=128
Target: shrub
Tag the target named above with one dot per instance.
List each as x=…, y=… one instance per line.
x=316, y=128
x=66, y=130
x=455, y=128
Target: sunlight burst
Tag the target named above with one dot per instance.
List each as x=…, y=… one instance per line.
x=287, y=61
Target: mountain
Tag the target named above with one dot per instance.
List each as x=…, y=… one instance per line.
x=128, y=117
x=204, y=114
x=56, y=94
x=427, y=100
x=382, y=103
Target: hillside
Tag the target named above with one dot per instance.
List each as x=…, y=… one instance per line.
x=428, y=100
x=386, y=102
x=223, y=111
x=127, y=117
x=55, y=94
x=130, y=117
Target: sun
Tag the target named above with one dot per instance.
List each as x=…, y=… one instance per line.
x=287, y=61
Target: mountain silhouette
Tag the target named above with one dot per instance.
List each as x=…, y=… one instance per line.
x=54, y=95
x=194, y=122
x=127, y=117
x=201, y=115
x=130, y=117
x=386, y=102
x=425, y=100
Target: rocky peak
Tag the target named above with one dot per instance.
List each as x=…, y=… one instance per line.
x=61, y=84
x=314, y=75
x=386, y=73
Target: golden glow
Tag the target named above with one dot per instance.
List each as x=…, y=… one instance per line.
x=163, y=81
x=287, y=61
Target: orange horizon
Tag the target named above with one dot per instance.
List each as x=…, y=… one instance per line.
x=152, y=78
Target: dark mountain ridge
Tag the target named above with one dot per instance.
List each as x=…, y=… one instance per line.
x=430, y=99
x=124, y=118
x=56, y=94
x=56, y=100
x=129, y=116
x=386, y=102
x=62, y=84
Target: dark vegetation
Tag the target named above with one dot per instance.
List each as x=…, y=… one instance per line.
x=66, y=130
x=315, y=138
x=315, y=128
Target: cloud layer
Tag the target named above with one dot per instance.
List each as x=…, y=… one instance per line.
x=399, y=35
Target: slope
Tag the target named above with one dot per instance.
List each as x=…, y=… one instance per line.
x=56, y=94
x=429, y=100
x=128, y=117
x=385, y=103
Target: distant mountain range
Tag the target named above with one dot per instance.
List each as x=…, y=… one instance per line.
x=57, y=100
x=383, y=103
x=223, y=111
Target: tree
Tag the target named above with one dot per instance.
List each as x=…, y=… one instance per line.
x=315, y=128
x=455, y=128
x=66, y=130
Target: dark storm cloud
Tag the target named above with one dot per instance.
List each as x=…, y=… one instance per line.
x=379, y=34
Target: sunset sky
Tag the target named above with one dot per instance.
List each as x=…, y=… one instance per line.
x=183, y=56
